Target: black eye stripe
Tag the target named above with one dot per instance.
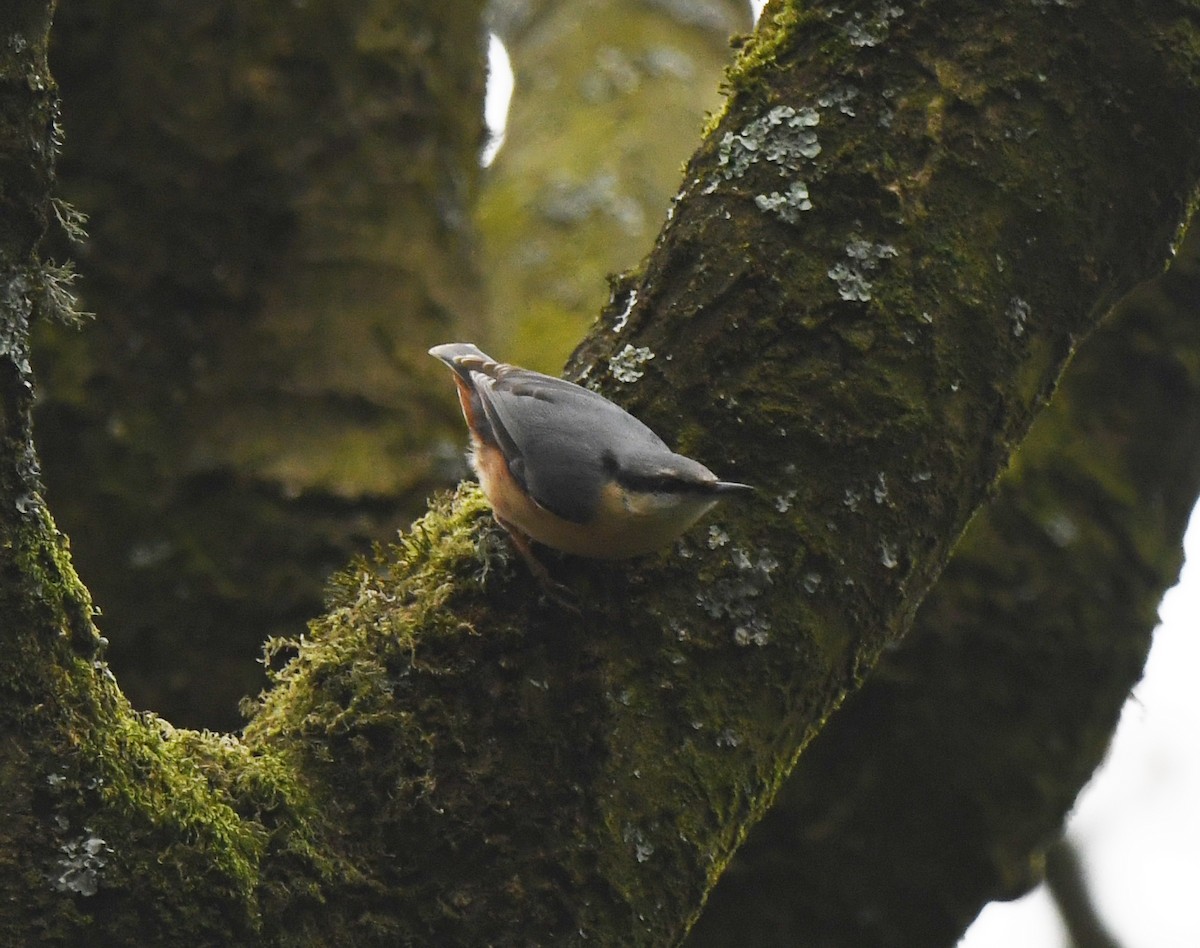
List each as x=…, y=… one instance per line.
x=661, y=484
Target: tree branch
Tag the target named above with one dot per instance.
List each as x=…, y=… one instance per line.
x=940, y=784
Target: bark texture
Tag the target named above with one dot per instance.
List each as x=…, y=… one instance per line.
x=942, y=783
x=280, y=202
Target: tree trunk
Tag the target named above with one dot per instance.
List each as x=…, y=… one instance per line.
x=280, y=200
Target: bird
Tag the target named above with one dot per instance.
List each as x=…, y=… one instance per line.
x=563, y=466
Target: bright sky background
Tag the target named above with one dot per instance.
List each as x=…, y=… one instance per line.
x=1137, y=824
x=497, y=98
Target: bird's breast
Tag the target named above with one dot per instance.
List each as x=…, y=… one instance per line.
x=622, y=524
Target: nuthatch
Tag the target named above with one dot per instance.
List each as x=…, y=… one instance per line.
x=565, y=466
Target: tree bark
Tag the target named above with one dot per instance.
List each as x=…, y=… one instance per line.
x=449, y=760
x=280, y=200
x=942, y=783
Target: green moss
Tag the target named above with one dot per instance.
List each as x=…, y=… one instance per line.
x=771, y=40
x=41, y=556
x=419, y=573
x=165, y=810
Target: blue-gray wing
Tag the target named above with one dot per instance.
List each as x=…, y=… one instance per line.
x=561, y=441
